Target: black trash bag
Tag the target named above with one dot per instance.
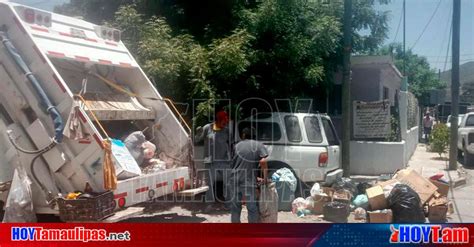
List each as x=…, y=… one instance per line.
x=346, y=184
x=406, y=205
x=362, y=187
x=336, y=212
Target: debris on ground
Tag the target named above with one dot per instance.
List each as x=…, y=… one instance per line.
x=406, y=205
x=285, y=183
x=360, y=214
x=361, y=201
x=346, y=184
x=380, y=216
x=336, y=212
x=376, y=198
x=422, y=186
x=438, y=209
x=268, y=204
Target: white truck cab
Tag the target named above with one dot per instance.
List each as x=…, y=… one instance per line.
x=63, y=61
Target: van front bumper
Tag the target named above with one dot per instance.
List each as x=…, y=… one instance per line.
x=332, y=176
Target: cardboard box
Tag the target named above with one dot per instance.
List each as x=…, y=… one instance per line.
x=321, y=199
x=443, y=188
x=342, y=196
x=376, y=198
x=437, y=209
x=422, y=186
x=380, y=216
x=125, y=164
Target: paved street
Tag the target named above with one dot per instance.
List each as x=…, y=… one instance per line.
x=427, y=162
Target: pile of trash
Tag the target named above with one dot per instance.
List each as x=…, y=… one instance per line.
x=134, y=156
x=406, y=197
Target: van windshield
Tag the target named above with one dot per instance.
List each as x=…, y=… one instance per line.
x=313, y=130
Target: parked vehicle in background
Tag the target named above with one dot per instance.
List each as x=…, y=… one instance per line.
x=466, y=138
x=305, y=143
x=448, y=121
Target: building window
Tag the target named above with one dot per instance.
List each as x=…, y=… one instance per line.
x=385, y=93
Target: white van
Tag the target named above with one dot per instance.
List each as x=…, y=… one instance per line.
x=305, y=143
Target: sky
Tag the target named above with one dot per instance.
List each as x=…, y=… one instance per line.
x=433, y=43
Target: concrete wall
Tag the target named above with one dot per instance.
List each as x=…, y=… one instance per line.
x=375, y=158
x=391, y=80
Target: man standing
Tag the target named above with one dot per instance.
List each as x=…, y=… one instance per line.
x=427, y=126
x=217, y=153
x=248, y=156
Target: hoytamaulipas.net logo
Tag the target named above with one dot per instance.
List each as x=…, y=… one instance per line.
x=74, y=234
x=435, y=234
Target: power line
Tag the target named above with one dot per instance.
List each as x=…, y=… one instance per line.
x=450, y=16
x=449, y=43
x=398, y=28
x=427, y=24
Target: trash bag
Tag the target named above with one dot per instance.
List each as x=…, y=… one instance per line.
x=298, y=203
x=286, y=175
x=361, y=201
x=315, y=190
x=134, y=143
x=360, y=214
x=19, y=205
x=362, y=187
x=148, y=150
x=346, y=184
x=406, y=205
x=268, y=204
x=336, y=212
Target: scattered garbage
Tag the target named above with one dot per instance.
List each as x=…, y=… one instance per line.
x=268, y=204
x=286, y=183
x=148, y=150
x=315, y=190
x=297, y=204
x=154, y=165
x=125, y=164
x=346, y=184
x=361, y=201
x=322, y=198
x=342, y=196
x=19, y=204
x=422, y=186
x=443, y=188
x=336, y=212
x=360, y=214
x=406, y=205
x=362, y=187
x=376, y=198
x=380, y=216
x=134, y=143
x=286, y=175
x=438, y=209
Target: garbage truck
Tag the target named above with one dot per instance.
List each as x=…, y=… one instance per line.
x=68, y=90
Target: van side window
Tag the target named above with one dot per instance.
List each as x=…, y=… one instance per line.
x=470, y=121
x=293, y=130
x=264, y=131
x=330, y=132
x=313, y=130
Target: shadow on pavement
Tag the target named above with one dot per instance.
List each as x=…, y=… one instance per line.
x=166, y=218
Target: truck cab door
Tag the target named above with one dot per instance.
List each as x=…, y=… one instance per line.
x=334, y=149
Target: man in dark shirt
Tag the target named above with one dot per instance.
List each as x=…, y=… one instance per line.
x=248, y=156
x=217, y=139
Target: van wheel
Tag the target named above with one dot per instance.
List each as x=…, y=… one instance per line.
x=301, y=188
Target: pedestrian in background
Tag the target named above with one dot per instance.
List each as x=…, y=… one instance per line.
x=249, y=156
x=427, y=126
x=217, y=139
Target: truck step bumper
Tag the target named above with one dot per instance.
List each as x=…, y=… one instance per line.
x=332, y=176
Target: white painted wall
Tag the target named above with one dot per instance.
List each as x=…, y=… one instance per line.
x=375, y=158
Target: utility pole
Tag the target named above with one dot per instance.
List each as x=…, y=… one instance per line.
x=346, y=89
x=453, y=162
x=404, y=32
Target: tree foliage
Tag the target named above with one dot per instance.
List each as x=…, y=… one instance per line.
x=421, y=77
x=237, y=48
